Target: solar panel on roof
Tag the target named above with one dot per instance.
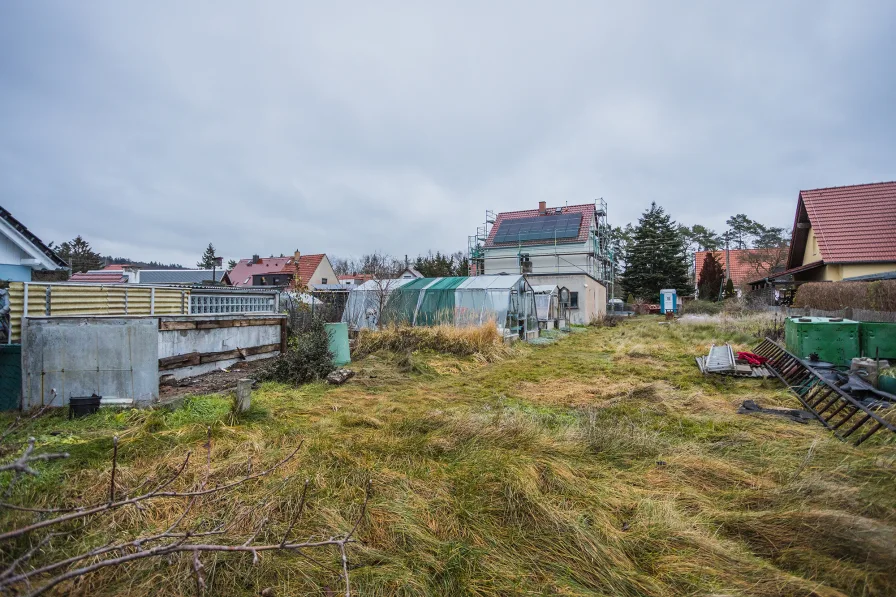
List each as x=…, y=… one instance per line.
x=561, y=226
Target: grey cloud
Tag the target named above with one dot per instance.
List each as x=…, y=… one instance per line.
x=345, y=127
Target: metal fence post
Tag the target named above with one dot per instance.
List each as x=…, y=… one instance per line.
x=182, y=295
x=152, y=300
x=125, y=300
x=25, y=297
x=47, y=299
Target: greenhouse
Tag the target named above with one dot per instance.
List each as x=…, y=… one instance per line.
x=550, y=311
x=508, y=301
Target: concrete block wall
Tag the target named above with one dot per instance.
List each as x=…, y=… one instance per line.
x=123, y=357
x=64, y=357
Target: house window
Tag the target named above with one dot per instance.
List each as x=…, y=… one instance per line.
x=323, y=280
x=276, y=280
x=573, y=300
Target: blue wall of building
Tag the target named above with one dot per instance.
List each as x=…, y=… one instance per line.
x=15, y=273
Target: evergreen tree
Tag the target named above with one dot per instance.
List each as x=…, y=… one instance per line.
x=709, y=282
x=207, y=261
x=79, y=255
x=705, y=239
x=435, y=266
x=729, y=289
x=656, y=257
x=231, y=264
x=742, y=230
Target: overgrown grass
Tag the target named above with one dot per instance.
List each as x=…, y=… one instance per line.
x=602, y=464
x=485, y=340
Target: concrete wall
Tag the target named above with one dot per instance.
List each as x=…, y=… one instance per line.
x=208, y=340
x=81, y=356
x=120, y=356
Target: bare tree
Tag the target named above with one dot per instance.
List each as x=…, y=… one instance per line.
x=27, y=568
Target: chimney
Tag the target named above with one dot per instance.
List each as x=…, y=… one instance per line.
x=542, y=207
x=255, y=259
x=295, y=256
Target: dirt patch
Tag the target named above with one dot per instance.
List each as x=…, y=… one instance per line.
x=220, y=380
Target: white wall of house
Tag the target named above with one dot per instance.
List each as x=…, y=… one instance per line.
x=324, y=273
x=591, y=295
x=570, y=265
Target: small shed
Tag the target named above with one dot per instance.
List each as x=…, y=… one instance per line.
x=506, y=300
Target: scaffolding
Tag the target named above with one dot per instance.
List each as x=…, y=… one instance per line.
x=476, y=244
x=600, y=247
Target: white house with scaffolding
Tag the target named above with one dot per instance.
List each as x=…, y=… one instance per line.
x=567, y=246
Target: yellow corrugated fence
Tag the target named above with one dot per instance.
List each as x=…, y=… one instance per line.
x=89, y=299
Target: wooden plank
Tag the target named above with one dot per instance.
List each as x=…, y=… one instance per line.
x=178, y=361
x=176, y=325
x=214, y=324
x=211, y=357
x=262, y=349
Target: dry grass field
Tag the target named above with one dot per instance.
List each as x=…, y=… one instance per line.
x=602, y=464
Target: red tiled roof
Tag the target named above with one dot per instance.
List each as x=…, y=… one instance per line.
x=307, y=266
x=105, y=277
x=587, y=211
x=360, y=278
x=853, y=224
x=241, y=275
x=742, y=270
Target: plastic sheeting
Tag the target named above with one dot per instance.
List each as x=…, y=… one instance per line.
x=508, y=301
x=545, y=301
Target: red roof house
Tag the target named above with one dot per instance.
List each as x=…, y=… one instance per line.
x=743, y=269
x=279, y=271
x=103, y=276
x=843, y=232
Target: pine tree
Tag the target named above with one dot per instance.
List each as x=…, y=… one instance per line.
x=656, y=257
x=231, y=264
x=207, y=261
x=79, y=255
x=709, y=282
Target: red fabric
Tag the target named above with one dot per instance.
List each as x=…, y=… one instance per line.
x=752, y=359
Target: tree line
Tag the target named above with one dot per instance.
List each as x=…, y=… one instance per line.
x=657, y=253
x=383, y=265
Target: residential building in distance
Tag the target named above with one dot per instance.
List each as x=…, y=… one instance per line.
x=841, y=232
x=354, y=279
x=125, y=274
x=410, y=273
x=22, y=253
x=567, y=246
x=746, y=264
x=279, y=271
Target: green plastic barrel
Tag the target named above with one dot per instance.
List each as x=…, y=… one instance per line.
x=338, y=333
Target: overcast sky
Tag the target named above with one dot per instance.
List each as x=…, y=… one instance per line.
x=152, y=128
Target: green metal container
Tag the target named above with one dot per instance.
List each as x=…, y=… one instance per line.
x=338, y=334
x=834, y=340
x=878, y=339
x=10, y=376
